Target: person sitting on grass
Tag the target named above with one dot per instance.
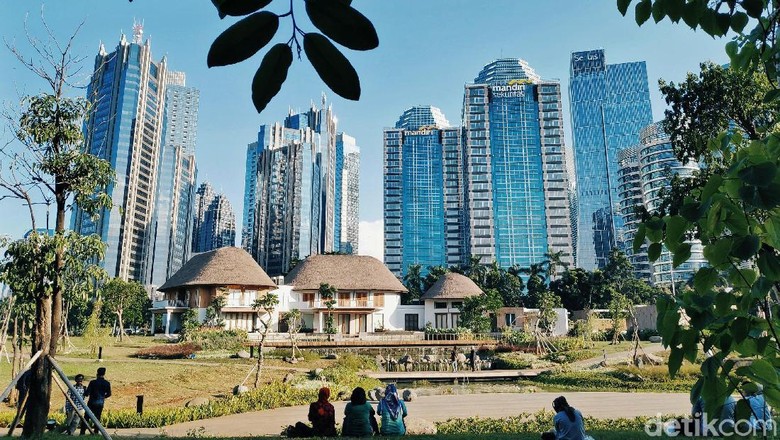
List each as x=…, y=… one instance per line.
x=568, y=423
x=358, y=416
x=322, y=415
x=392, y=410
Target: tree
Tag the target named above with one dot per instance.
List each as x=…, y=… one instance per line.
x=214, y=312
x=575, y=287
x=338, y=20
x=124, y=299
x=548, y=302
x=475, y=311
x=475, y=270
x=434, y=273
x=413, y=281
x=264, y=308
x=48, y=165
x=94, y=333
x=535, y=285
x=553, y=261
x=619, y=310
x=294, y=324
x=734, y=214
x=327, y=296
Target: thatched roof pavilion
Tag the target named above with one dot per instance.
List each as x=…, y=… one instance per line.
x=228, y=266
x=452, y=285
x=344, y=272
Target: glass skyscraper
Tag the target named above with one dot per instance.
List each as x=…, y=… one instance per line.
x=423, y=191
x=172, y=228
x=295, y=173
x=214, y=223
x=610, y=104
x=517, y=183
x=630, y=198
x=657, y=165
x=124, y=127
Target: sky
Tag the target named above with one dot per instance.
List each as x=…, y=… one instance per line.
x=428, y=50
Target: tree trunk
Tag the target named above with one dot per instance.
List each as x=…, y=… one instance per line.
x=17, y=356
x=60, y=190
x=38, y=397
x=121, y=325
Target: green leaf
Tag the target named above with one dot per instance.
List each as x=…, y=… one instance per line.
x=769, y=264
x=243, y=39
x=639, y=238
x=658, y=11
x=763, y=372
x=691, y=13
x=675, y=231
x=772, y=95
x=674, y=9
x=675, y=361
x=769, y=196
x=772, y=395
x=708, y=23
x=712, y=186
x=705, y=279
x=754, y=8
x=740, y=328
x=692, y=210
x=622, y=6
x=696, y=390
x=745, y=247
x=238, y=7
x=681, y=254
x=761, y=288
x=772, y=228
x=654, y=251
x=332, y=66
x=642, y=11
x=759, y=174
x=271, y=75
x=722, y=22
x=738, y=21
x=343, y=24
x=717, y=253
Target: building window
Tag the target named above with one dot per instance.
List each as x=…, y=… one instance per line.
x=457, y=305
x=308, y=298
x=441, y=320
x=455, y=319
x=510, y=319
x=411, y=321
x=379, y=300
x=343, y=299
x=361, y=299
x=439, y=305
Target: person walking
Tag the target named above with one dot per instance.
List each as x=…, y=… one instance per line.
x=454, y=358
x=392, y=410
x=473, y=358
x=75, y=413
x=359, y=418
x=98, y=390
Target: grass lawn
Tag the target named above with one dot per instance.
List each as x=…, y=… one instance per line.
x=599, y=435
x=163, y=383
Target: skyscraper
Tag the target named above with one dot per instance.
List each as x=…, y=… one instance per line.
x=214, y=223
x=347, y=194
x=630, y=198
x=124, y=126
x=658, y=165
x=610, y=103
x=517, y=183
x=423, y=191
x=291, y=190
x=171, y=234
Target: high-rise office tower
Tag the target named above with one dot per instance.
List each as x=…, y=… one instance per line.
x=423, y=191
x=347, y=200
x=214, y=223
x=291, y=185
x=658, y=164
x=517, y=183
x=609, y=104
x=171, y=235
x=124, y=126
x=630, y=198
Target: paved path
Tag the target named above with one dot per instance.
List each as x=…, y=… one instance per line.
x=441, y=408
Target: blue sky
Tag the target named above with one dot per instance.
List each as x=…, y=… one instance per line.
x=428, y=50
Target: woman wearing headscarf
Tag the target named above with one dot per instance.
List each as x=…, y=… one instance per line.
x=358, y=415
x=392, y=410
x=322, y=415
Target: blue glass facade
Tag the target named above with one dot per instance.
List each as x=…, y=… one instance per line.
x=127, y=133
x=296, y=173
x=516, y=178
x=657, y=166
x=347, y=200
x=610, y=104
x=423, y=191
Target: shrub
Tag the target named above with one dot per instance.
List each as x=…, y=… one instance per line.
x=169, y=351
x=211, y=338
x=645, y=333
x=345, y=373
x=617, y=380
x=518, y=361
x=567, y=357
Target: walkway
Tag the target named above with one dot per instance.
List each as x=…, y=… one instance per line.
x=441, y=408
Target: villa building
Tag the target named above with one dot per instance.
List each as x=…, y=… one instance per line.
x=445, y=298
x=228, y=271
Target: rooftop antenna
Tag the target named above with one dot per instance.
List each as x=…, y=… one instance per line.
x=138, y=31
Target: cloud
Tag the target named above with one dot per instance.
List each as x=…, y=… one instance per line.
x=371, y=239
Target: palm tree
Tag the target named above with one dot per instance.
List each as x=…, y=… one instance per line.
x=413, y=280
x=476, y=270
x=552, y=261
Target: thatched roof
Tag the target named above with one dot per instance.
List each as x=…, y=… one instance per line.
x=221, y=267
x=452, y=285
x=344, y=272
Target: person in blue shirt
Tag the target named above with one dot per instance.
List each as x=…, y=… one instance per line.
x=761, y=413
x=724, y=423
x=568, y=422
x=392, y=410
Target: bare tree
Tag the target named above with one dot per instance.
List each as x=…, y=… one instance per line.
x=264, y=308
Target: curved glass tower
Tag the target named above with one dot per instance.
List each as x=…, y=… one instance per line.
x=516, y=182
x=657, y=167
x=630, y=194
